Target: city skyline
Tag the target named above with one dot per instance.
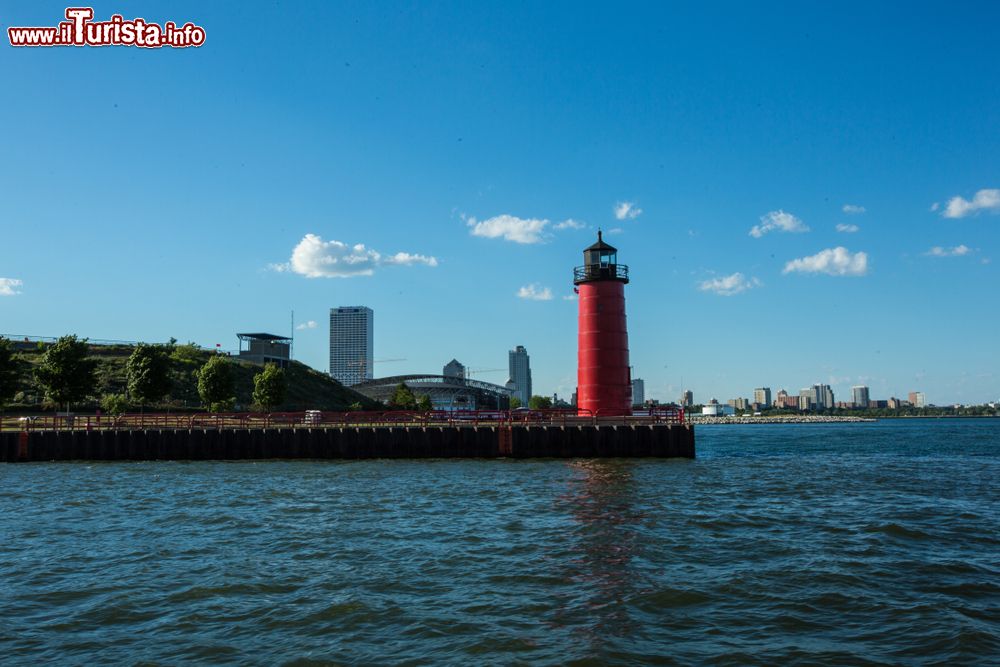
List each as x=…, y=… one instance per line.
x=760, y=179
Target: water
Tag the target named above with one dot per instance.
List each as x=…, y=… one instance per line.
x=817, y=544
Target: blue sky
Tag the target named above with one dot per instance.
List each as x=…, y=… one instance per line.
x=156, y=193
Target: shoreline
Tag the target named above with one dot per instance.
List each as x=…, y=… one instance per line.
x=819, y=419
x=783, y=419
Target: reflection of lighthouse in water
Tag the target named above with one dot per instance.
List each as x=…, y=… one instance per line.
x=604, y=385
x=604, y=543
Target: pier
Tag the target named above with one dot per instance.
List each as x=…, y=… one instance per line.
x=323, y=436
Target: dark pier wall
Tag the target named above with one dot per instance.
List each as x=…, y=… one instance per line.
x=643, y=440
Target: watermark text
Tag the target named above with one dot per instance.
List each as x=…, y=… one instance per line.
x=79, y=29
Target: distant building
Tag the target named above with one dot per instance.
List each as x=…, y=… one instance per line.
x=445, y=392
x=352, y=344
x=264, y=348
x=638, y=392
x=917, y=399
x=785, y=401
x=824, y=396
x=454, y=369
x=520, y=373
x=687, y=398
x=716, y=410
x=859, y=394
x=806, y=400
x=739, y=403
x=820, y=397
x=762, y=396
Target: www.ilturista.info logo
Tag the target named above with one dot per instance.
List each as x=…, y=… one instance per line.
x=81, y=30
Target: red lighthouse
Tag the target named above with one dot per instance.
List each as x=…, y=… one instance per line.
x=604, y=383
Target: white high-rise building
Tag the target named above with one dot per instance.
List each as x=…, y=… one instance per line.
x=352, y=344
x=520, y=374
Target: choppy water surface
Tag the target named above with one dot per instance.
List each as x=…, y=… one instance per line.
x=838, y=544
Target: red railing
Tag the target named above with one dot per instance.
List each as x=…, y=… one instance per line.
x=320, y=419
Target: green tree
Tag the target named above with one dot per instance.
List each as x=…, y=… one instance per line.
x=147, y=373
x=539, y=402
x=9, y=375
x=215, y=384
x=65, y=371
x=115, y=404
x=403, y=398
x=515, y=402
x=269, y=387
x=424, y=403
x=188, y=353
x=9, y=372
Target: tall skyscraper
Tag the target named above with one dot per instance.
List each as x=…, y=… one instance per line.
x=820, y=396
x=520, y=373
x=917, y=399
x=638, y=392
x=859, y=396
x=827, y=396
x=762, y=396
x=687, y=398
x=352, y=344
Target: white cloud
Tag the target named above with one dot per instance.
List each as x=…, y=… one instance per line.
x=729, y=285
x=785, y=222
x=315, y=258
x=535, y=292
x=852, y=209
x=570, y=297
x=570, y=224
x=935, y=206
x=311, y=324
x=8, y=286
x=957, y=251
x=407, y=259
x=627, y=210
x=847, y=229
x=837, y=261
x=615, y=230
x=984, y=200
x=510, y=228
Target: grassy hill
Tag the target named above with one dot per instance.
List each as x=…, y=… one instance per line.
x=308, y=389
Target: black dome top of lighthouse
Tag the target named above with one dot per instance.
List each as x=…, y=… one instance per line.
x=601, y=245
x=600, y=262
